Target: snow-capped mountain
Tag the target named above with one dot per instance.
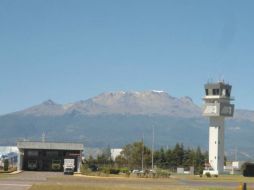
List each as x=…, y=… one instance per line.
x=117, y=118
x=133, y=103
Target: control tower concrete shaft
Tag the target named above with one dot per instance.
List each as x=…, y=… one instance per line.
x=217, y=107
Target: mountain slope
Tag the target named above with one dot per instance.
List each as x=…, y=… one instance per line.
x=123, y=117
x=134, y=103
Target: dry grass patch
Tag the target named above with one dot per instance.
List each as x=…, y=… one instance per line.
x=220, y=178
x=83, y=187
x=177, y=182
x=4, y=175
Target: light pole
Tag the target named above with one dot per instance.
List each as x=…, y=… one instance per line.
x=153, y=149
x=142, y=158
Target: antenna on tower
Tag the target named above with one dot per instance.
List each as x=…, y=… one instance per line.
x=221, y=78
x=210, y=80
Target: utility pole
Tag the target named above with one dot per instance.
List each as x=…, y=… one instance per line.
x=43, y=137
x=236, y=154
x=152, y=147
x=142, y=159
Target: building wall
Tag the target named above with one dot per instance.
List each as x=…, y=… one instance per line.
x=45, y=158
x=216, y=143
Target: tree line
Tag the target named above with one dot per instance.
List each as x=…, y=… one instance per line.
x=139, y=156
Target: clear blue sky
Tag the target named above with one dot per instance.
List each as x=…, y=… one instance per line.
x=72, y=50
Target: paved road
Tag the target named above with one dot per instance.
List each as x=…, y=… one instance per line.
x=24, y=180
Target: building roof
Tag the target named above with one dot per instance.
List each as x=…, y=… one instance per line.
x=218, y=85
x=49, y=145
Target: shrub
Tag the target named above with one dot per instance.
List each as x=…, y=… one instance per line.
x=208, y=174
x=162, y=173
x=93, y=167
x=105, y=170
x=87, y=169
x=128, y=174
x=114, y=171
x=124, y=170
x=198, y=170
x=84, y=169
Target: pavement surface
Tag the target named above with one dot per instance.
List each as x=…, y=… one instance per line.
x=24, y=180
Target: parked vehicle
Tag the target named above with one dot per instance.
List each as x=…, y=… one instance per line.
x=135, y=171
x=69, y=165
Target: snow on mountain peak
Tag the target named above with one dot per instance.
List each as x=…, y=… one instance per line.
x=158, y=91
x=67, y=106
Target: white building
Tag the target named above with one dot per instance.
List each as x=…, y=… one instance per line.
x=234, y=167
x=115, y=152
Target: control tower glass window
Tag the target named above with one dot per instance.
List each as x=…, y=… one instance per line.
x=227, y=93
x=206, y=91
x=216, y=91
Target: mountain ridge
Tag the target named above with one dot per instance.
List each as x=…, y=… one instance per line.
x=152, y=102
x=118, y=118
x=120, y=102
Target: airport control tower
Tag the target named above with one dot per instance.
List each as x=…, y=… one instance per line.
x=217, y=107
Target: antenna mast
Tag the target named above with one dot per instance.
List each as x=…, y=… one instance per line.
x=43, y=137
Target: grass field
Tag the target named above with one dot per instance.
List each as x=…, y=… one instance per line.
x=58, y=181
x=84, y=187
x=177, y=182
x=221, y=178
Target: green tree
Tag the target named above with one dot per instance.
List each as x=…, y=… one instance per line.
x=107, y=152
x=180, y=157
x=132, y=155
x=187, y=158
x=121, y=161
x=102, y=160
x=160, y=158
x=199, y=161
x=169, y=160
x=177, y=156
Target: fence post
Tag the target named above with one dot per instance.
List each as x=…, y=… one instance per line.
x=243, y=186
